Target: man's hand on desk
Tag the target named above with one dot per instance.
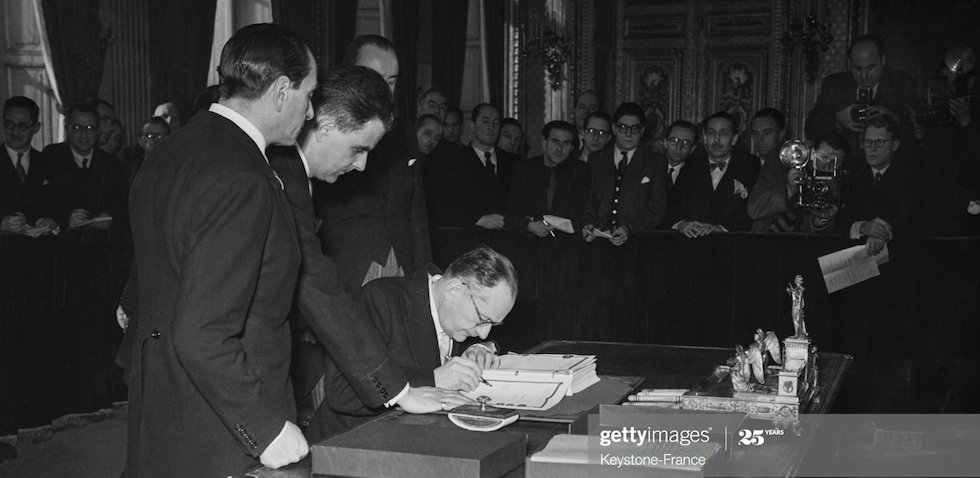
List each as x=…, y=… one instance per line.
x=458, y=374
x=431, y=399
x=289, y=447
x=484, y=354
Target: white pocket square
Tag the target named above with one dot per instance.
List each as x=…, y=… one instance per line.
x=645, y=180
x=411, y=161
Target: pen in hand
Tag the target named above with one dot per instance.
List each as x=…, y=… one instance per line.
x=485, y=382
x=549, y=232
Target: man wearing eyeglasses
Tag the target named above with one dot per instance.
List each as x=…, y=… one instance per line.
x=597, y=134
x=92, y=186
x=422, y=318
x=629, y=185
x=26, y=205
x=679, y=143
x=884, y=194
x=152, y=133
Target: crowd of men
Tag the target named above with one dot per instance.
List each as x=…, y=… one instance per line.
x=282, y=272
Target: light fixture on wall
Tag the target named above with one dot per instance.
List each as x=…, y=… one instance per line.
x=814, y=37
x=553, y=51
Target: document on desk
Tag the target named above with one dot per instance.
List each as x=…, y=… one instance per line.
x=536, y=381
x=850, y=266
x=522, y=393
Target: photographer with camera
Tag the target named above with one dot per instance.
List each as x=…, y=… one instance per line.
x=870, y=90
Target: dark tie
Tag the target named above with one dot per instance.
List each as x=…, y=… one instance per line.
x=21, y=172
x=85, y=163
x=877, y=177
x=489, y=164
x=622, y=163
x=552, y=185
x=670, y=172
x=719, y=166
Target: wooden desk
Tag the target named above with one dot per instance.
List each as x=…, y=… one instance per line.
x=666, y=366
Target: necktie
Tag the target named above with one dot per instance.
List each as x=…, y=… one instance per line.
x=622, y=163
x=670, y=172
x=877, y=177
x=552, y=185
x=85, y=163
x=489, y=164
x=21, y=172
x=719, y=166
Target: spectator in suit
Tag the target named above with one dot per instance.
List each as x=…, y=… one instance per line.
x=870, y=89
x=884, y=190
x=628, y=191
x=598, y=133
x=375, y=222
x=452, y=127
x=471, y=188
x=549, y=184
x=432, y=102
x=773, y=202
x=422, y=318
x=428, y=133
x=768, y=128
x=511, y=136
x=106, y=113
x=27, y=202
x=153, y=131
x=711, y=192
x=679, y=142
x=91, y=183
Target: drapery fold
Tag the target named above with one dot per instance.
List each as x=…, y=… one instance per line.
x=405, y=14
x=493, y=25
x=449, y=47
x=180, y=37
x=77, y=43
x=302, y=17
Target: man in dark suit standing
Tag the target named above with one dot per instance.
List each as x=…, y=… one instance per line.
x=422, y=317
x=375, y=222
x=90, y=182
x=471, y=189
x=549, y=184
x=711, y=192
x=870, y=89
x=27, y=203
x=629, y=185
x=217, y=258
x=884, y=192
x=353, y=111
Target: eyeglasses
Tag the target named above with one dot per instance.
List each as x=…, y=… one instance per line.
x=679, y=143
x=17, y=126
x=876, y=143
x=632, y=129
x=155, y=136
x=597, y=133
x=480, y=318
x=86, y=128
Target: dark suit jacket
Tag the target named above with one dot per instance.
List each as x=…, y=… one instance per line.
x=463, y=191
x=529, y=192
x=643, y=197
x=99, y=189
x=217, y=259
x=896, y=198
x=693, y=199
x=399, y=308
x=368, y=214
x=325, y=307
x=35, y=198
x=895, y=91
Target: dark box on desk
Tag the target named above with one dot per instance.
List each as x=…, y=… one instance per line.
x=390, y=448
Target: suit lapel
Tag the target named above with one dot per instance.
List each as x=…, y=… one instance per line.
x=422, y=336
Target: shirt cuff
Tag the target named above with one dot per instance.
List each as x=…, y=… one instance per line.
x=856, y=230
x=394, y=401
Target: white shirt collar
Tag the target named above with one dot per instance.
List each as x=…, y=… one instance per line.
x=80, y=158
x=882, y=170
x=442, y=338
x=482, y=154
x=244, y=124
x=306, y=163
x=13, y=156
x=619, y=154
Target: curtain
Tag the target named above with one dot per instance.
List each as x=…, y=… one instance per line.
x=77, y=45
x=449, y=47
x=405, y=36
x=493, y=23
x=341, y=25
x=302, y=17
x=180, y=37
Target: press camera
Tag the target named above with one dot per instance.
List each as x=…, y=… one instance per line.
x=819, y=184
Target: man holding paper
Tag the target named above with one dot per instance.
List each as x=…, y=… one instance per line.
x=421, y=317
x=548, y=185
